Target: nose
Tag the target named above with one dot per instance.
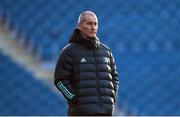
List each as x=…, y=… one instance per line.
x=94, y=27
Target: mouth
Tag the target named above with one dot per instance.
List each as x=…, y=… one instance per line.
x=93, y=32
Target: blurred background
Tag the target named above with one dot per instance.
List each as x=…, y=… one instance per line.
x=144, y=36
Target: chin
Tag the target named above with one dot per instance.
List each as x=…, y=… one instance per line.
x=92, y=36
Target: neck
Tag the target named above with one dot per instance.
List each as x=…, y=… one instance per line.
x=86, y=37
x=89, y=42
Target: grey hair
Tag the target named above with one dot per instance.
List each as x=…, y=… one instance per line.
x=82, y=16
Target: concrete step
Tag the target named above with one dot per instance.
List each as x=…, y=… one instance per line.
x=11, y=46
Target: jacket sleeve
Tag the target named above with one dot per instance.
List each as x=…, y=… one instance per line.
x=114, y=76
x=63, y=75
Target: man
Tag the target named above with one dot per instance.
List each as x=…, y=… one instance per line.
x=85, y=72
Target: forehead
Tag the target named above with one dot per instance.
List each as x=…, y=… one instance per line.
x=90, y=18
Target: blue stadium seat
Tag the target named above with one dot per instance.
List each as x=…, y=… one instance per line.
x=23, y=94
x=144, y=39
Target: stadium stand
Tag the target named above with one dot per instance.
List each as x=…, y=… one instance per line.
x=143, y=35
x=23, y=94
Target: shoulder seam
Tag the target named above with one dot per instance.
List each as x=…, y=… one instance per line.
x=104, y=46
x=68, y=47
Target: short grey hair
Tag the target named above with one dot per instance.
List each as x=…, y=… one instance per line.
x=82, y=16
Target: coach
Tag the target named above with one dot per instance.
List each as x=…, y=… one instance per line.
x=85, y=72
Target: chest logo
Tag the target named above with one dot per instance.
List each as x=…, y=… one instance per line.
x=106, y=60
x=83, y=60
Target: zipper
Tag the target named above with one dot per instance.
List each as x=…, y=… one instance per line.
x=97, y=78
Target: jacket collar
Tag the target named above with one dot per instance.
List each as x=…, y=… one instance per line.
x=90, y=43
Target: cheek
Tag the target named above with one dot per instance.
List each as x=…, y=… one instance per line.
x=86, y=30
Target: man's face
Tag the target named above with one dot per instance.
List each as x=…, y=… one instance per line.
x=89, y=26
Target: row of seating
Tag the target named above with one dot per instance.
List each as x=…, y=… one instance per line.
x=50, y=23
x=23, y=94
x=150, y=83
x=144, y=38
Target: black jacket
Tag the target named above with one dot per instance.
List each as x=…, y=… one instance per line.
x=86, y=75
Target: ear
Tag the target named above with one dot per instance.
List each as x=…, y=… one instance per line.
x=78, y=26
